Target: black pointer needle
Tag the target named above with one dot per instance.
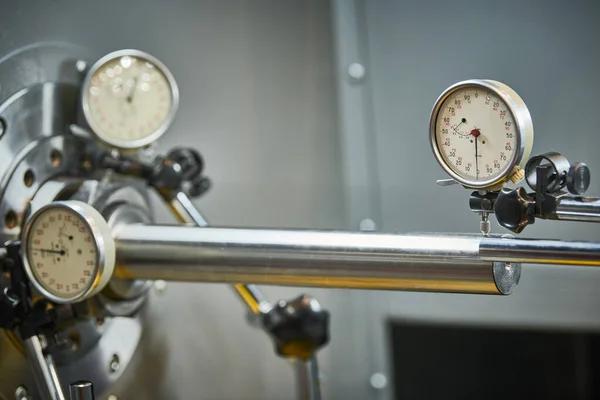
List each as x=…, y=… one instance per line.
x=476, y=159
x=61, y=252
x=456, y=128
x=475, y=133
x=64, y=234
x=132, y=92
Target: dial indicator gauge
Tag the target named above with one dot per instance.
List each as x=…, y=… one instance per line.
x=481, y=133
x=68, y=251
x=129, y=99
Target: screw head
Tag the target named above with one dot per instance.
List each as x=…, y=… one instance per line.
x=81, y=65
x=160, y=286
x=21, y=393
x=378, y=381
x=356, y=71
x=368, y=224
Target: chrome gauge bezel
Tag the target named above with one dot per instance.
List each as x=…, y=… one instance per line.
x=138, y=143
x=524, y=130
x=103, y=242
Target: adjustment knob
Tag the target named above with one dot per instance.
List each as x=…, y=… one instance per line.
x=514, y=209
x=191, y=162
x=299, y=327
x=578, y=179
x=517, y=175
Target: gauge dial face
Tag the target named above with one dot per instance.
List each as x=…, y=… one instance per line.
x=476, y=134
x=129, y=99
x=62, y=253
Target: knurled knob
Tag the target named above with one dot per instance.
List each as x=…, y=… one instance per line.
x=517, y=175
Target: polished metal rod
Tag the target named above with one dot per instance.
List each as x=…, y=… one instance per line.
x=584, y=209
x=307, y=378
x=313, y=258
x=42, y=366
x=540, y=251
x=185, y=211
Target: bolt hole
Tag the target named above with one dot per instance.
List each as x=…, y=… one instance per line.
x=2, y=126
x=10, y=220
x=55, y=158
x=115, y=363
x=85, y=162
x=29, y=178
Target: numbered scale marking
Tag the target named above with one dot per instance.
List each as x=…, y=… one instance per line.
x=481, y=133
x=68, y=251
x=129, y=99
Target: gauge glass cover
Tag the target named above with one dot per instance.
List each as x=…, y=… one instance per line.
x=480, y=131
x=62, y=252
x=129, y=99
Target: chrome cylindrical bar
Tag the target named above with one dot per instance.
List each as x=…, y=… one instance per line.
x=185, y=211
x=540, y=251
x=311, y=258
x=584, y=209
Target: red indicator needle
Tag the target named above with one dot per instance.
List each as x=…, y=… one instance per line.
x=475, y=132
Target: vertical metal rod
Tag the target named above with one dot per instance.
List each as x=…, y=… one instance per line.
x=44, y=372
x=307, y=377
x=184, y=210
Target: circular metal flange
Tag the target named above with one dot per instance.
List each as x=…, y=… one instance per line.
x=38, y=63
x=39, y=91
x=38, y=160
x=98, y=342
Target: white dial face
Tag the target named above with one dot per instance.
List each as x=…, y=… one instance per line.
x=62, y=253
x=129, y=100
x=476, y=134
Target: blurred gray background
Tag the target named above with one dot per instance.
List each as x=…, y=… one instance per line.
x=291, y=139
